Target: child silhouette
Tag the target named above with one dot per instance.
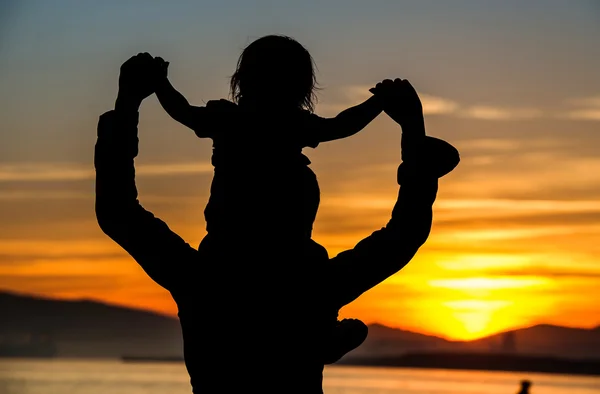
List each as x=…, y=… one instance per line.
x=262, y=182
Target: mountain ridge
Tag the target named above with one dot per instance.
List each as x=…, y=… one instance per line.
x=89, y=328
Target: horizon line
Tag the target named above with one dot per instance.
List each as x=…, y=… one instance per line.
x=174, y=317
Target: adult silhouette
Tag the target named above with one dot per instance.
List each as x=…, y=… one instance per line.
x=252, y=322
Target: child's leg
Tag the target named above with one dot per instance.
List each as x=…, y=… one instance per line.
x=429, y=157
x=347, y=336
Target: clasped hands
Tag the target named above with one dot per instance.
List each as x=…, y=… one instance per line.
x=399, y=100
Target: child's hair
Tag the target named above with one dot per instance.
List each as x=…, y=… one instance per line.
x=278, y=68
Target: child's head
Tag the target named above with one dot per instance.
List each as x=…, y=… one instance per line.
x=275, y=71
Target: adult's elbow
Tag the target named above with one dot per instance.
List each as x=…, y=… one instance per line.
x=408, y=241
x=107, y=218
x=421, y=235
x=105, y=223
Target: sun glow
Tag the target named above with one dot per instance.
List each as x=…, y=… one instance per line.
x=488, y=283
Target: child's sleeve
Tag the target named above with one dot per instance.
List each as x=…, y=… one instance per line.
x=312, y=131
x=202, y=121
x=216, y=115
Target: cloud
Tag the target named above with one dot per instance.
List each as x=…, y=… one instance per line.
x=592, y=101
x=59, y=284
x=587, y=108
x=42, y=195
x=548, y=272
x=74, y=172
x=8, y=259
x=497, y=113
x=433, y=105
x=527, y=175
x=493, y=144
x=355, y=94
x=584, y=114
x=529, y=206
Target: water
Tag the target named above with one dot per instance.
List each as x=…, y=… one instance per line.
x=114, y=377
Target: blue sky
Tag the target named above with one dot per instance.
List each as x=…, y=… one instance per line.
x=60, y=59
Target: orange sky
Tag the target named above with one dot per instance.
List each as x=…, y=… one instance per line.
x=516, y=226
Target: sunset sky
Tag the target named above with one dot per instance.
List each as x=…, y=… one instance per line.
x=514, y=85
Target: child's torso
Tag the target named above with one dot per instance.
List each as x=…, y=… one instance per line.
x=262, y=182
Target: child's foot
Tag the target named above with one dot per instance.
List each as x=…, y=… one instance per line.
x=347, y=335
x=433, y=158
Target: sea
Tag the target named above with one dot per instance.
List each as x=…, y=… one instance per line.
x=63, y=376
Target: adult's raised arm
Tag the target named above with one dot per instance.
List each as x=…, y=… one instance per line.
x=165, y=256
x=389, y=249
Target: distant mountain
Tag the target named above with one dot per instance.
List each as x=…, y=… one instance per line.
x=94, y=329
x=89, y=328
x=547, y=339
x=539, y=340
x=385, y=341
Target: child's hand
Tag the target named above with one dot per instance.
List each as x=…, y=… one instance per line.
x=162, y=67
x=383, y=88
x=385, y=92
x=222, y=105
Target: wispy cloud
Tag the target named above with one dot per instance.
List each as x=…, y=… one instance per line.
x=491, y=144
x=42, y=195
x=497, y=113
x=545, y=271
x=584, y=114
x=586, y=108
x=74, y=172
x=488, y=283
x=529, y=206
x=592, y=101
x=434, y=105
x=353, y=95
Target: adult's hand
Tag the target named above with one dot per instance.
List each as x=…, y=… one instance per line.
x=137, y=80
x=400, y=101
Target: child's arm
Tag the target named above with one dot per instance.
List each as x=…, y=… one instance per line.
x=350, y=121
x=177, y=105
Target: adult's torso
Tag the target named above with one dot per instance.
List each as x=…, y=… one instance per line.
x=256, y=324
